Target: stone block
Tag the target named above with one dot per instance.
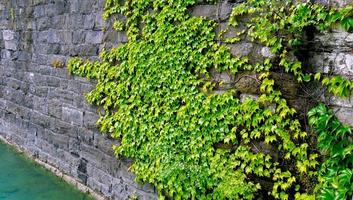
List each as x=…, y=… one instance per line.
x=53, y=37
x=23, y=56
x=82, y=170
x=8, y=35
x=85, y=6
x=342, y=102
x=54, y=108
x=99, y=22
x=104, y=144
x=94, y=37
x=58, y=140
x=6, y=54
x=11, y=45
x=14, y=84
x=40, y=119
x=15, y=96
x=41, y=37
x=94, y=184
x=89, y=21
x=61, y=72
x=209, y=11
x=39, y=59
x=39, y=11
x=122, y=190
x=241, y=49
x=57, y=7
x=76, y=21
x=42, y=23
x=42, y=48
x=92, y=154
x=338, y=3
x=349, y=39
x=12, y=108
x=345, y=115
x=52, y=81
x=225, y=10
x=84, y=50
x=40, y=105
x=100, y=176
x=74, y=6
x=72, y=116
x=266, y=52
x=78, y=37
x=74, y=147
x=61, y=127
x=28, y=101
x=60, y=21
x=338, y=63
x=53, y=48
x=90, y=120
x=151, y=196
x=85, y=88
x=243, y=97
x=85, y=136
x=74, y=86
x=64, y=95
x=38, y=91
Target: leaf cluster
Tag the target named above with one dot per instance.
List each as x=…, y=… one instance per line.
x=185, y=139
x=335, y=142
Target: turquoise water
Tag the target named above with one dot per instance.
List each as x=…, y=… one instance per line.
x=22, y=179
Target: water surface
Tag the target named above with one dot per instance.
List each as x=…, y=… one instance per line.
x=22, y=179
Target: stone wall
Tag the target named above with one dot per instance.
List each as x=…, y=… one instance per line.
x=332, y=53
x=43, y=109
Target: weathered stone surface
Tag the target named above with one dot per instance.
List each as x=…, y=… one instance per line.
x=345, y=115
x=8, y=35
x=241, y=49
x=72, y=116
x=94, y=37
x=43, y=109
x=90, y=119
x=342, y=102
x=265, y=52
x=331, y=53
x=220, y=11
x=10, y=45
x=339, y=3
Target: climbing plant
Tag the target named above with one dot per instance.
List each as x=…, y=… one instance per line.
x=188, y=141
x=335, y=142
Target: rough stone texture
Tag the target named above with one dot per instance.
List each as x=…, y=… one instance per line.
x=42, y=108
x=332, y=53
x=329, y=53
x=339, y=3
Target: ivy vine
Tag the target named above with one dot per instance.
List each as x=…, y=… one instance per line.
x=335, y=143
x=187, y=140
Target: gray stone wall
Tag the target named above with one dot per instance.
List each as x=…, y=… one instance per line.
x=43, y=109
x=332, y=53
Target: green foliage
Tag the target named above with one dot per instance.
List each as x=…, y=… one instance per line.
x=338, y=85
x=188, y=141
x=280, y=25
x=335, y=142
